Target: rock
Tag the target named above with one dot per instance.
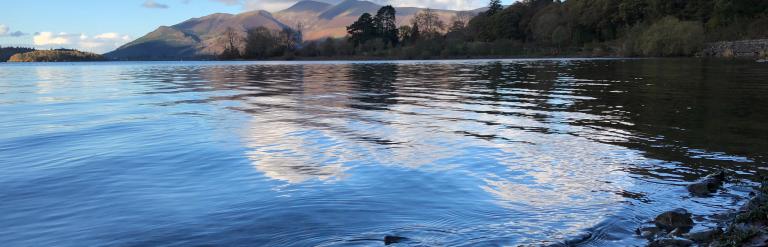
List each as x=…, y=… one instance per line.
x=754, y=203
x=699, y=189
x=759, y=240
x=678, y=218
x=708, y=184
x=393, y=240
x=740, y=48
x=704, y=236
x=671, y=242
x=679, y=231
x=648, y=232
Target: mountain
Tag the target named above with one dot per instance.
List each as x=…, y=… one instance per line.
x=321, y=20
x=350, y=8
x=308, y=6
x=202, y=37
x=163, y=43
x=194, y=38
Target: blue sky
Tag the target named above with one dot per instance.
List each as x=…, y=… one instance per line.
x=102, y=25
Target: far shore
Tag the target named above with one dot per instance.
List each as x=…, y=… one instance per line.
x=315, y=59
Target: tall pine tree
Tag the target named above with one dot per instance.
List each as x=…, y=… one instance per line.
x=362, y=30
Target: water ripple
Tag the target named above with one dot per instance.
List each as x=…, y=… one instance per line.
x=440, y=153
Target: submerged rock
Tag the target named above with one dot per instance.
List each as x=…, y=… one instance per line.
x=704, y=236
x=393, y=239
x=671, y=242
x=708, y=184
x=679, y=231
x=649, y=232
x=670, y=220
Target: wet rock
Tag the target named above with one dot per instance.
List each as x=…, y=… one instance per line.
x=679, y=231
x=393, y=239
x=759, y=240
x=708, y=184
x=678, y=218
x=671, y=242
x=699, y=189
x=648, y=232
x=755, y=203
x=704, y=236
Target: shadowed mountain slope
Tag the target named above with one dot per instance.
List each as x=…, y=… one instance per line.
x=194, y=38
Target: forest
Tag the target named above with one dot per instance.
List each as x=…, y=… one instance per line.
x=527, y=28
x=7, y=52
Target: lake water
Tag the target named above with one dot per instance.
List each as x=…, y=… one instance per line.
x=442, y=153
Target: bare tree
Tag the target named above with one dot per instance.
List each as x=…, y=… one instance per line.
x=232, y=40
x=300, y=31
x=429, y=23
x=460, y=21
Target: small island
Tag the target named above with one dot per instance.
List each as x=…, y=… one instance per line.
x=58, y=55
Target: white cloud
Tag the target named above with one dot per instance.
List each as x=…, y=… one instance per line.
x=230, y=2
x=151, y=4
x=107, y=36
x=98, y=43
x=49, y=38
x=4, y=30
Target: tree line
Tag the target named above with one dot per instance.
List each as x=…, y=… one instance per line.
x=7, y=52
x=528, y=28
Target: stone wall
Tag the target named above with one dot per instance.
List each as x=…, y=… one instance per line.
x=742, y=48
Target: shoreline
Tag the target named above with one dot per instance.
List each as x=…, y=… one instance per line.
x=755, y=59
x=744, y=226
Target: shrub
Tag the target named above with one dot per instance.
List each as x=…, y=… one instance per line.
x=671, y=37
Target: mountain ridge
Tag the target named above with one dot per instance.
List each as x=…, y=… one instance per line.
x=201, y=37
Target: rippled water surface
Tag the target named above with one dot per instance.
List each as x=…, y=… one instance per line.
x=458, y=153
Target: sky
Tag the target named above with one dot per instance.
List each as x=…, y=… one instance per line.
x=103, y=25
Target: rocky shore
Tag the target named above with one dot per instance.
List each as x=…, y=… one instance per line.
x=757, y=48
x=746, y=227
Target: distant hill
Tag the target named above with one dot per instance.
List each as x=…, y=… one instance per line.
x=7, y=52
x=61, y=55
x=202, y=37
x=163, y=43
